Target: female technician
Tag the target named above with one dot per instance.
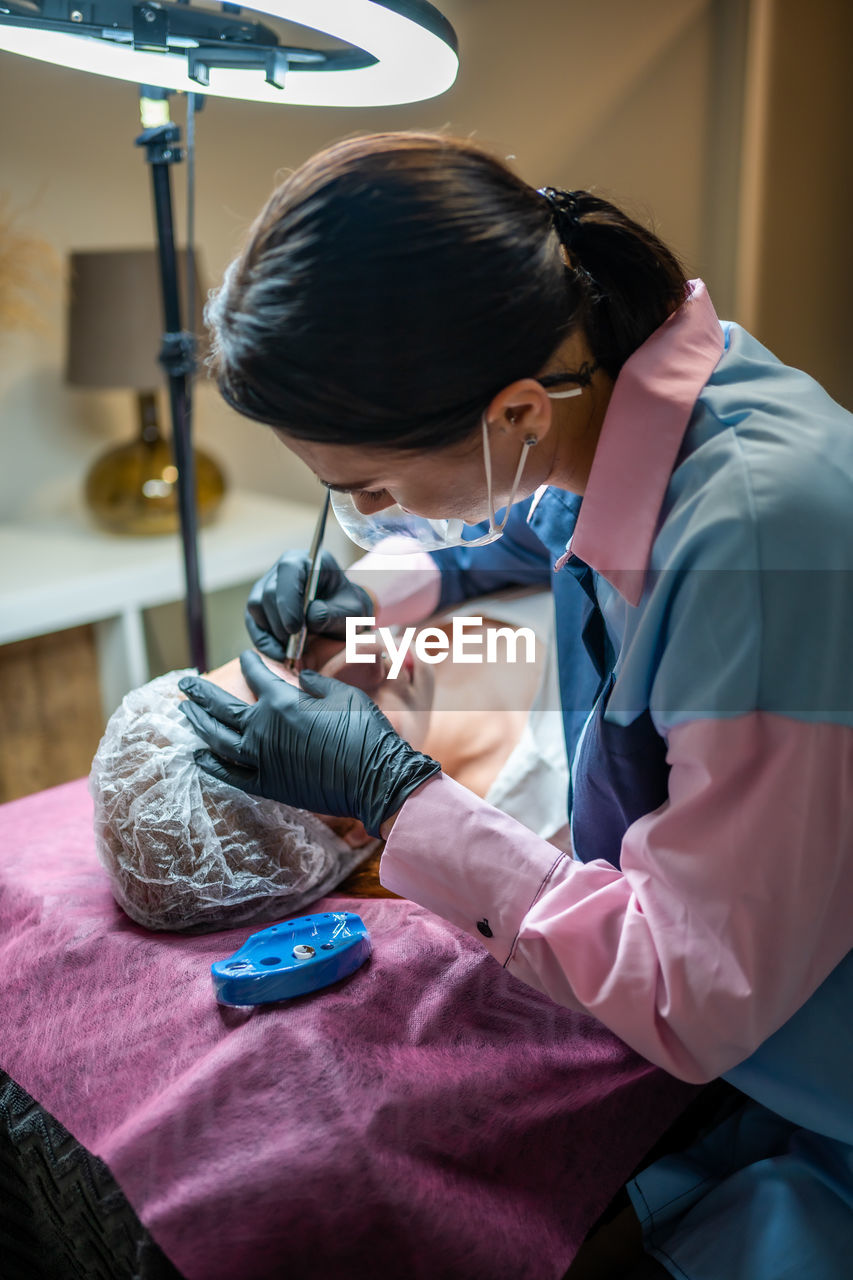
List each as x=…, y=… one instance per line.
x=424, y=329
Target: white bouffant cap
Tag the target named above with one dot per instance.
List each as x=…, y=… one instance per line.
x=185, y=851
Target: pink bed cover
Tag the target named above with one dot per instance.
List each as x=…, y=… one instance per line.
x=429, y=1117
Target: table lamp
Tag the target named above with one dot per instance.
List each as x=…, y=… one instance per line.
x=114, y=325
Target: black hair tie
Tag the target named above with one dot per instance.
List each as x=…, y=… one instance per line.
x=565, y=213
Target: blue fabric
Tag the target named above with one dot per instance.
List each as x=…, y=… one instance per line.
x=805, y=1070
x=524, y=557
x=748, y=603
x=517, y=559
x=757, y=1199
x=620, y=773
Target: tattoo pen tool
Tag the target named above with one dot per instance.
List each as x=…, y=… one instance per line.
x=296, y=642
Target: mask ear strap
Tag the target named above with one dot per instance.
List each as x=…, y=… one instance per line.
x=527, y=444
x=487, y=459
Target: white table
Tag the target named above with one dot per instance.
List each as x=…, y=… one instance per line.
x=57, y=571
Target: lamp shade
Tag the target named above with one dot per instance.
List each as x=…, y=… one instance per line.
x=115, y=318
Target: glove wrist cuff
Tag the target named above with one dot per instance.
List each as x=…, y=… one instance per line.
x=420, y=769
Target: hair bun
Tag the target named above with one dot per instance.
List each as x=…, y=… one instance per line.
x=565, y=213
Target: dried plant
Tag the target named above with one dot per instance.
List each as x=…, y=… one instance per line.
x=29, y=271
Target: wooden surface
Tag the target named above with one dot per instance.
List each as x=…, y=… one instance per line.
x=50, y=711
x=364, y=881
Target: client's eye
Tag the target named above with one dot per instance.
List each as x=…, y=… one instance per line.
x=369, y=676
x=371, y=494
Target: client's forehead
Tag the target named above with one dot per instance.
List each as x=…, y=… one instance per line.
x=405, y=702
x=322, y=653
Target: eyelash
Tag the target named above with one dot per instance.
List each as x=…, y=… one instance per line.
x=370, y=494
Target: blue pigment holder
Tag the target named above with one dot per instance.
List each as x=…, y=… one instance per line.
x=292, y=959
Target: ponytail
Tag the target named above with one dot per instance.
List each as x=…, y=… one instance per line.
x=627, y=280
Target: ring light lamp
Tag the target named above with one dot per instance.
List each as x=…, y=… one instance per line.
x=400, y=50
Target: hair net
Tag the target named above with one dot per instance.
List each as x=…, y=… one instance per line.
x=186, y=851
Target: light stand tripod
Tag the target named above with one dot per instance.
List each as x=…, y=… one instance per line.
x=177, y=356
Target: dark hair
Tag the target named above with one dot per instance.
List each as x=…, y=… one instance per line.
x=395, y=282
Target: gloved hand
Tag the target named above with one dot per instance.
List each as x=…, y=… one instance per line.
x=325, y=747
x=274, y=608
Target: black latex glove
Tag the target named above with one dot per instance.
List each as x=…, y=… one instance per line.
x=274, y=608
x=325, y=747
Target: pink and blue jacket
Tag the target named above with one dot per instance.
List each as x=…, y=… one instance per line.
x=703, y=591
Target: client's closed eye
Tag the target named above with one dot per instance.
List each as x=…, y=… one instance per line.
x=319, y=651
x=369, y=674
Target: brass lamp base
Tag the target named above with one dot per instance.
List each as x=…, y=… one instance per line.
x=133, y=488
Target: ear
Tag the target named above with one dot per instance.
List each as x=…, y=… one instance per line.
x=522, y=409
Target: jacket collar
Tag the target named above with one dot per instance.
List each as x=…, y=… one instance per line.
x=650, y=407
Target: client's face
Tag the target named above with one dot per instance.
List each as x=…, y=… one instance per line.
x=406, y=700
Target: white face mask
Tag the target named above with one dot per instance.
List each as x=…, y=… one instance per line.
x=400, y=529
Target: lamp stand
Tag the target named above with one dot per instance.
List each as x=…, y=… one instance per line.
x=177, y=356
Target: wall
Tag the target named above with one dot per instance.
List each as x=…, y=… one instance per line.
x=796, y=250
x=619, y=95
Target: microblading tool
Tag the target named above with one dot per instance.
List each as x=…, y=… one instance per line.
x=296, y=642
